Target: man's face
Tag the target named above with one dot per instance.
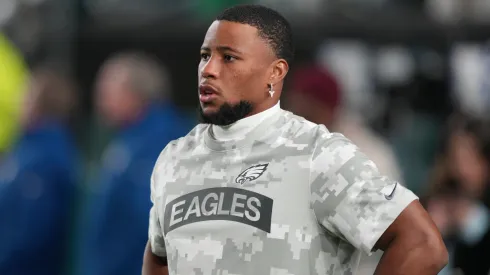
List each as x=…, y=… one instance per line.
x=114, y=101
x=233, y=73
x=30, y=108
x=467, y=163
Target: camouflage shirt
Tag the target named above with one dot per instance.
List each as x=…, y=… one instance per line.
x=289, y=197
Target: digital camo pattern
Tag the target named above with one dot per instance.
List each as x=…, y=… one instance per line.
x=288, y=198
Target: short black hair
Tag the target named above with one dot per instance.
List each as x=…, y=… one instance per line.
x=271, y=26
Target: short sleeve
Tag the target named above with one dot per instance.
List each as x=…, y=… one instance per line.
x=155, y=234
x=349, y=197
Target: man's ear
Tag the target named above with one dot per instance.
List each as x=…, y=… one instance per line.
x=279, y=70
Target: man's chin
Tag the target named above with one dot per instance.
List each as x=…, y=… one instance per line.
x=224, y=114
x=209, y=110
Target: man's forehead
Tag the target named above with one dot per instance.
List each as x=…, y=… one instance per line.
x=112, y=69
x=113, y=74
x=232, y=34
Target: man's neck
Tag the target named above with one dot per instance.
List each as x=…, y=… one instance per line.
x=243, y=126
x=263, y=107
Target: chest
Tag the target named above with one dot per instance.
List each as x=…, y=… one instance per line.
x=235, y=195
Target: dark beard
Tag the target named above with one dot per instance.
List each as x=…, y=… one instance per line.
x=226, y=114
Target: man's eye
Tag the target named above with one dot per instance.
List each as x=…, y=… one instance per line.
x=229, y=58
x=204, y=56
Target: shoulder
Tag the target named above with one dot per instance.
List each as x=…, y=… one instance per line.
x=323, y=144
x=182, y=146
x=170, y=157
x=297, y=127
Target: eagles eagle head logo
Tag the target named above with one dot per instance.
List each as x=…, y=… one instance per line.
x=251, y=173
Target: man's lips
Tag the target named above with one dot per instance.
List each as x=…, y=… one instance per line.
x=207, y=93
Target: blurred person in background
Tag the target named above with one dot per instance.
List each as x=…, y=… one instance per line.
x=13, y=77
x=459, y=196
x=132, y=96
x=38, y=181
x=316, y=95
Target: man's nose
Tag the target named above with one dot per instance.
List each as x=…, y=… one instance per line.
x=211, y=68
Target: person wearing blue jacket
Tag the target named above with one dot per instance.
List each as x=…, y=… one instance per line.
x=131, y=96
x=38, y=181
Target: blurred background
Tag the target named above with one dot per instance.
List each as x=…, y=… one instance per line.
x=92, y=90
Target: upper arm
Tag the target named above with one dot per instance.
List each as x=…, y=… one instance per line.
x=155, y=232
x=153, y=264
x=350, y=198
x=414, y=225
x=155, y=258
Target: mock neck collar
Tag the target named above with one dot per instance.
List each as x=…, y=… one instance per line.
x=238, y=134
x=242, y=126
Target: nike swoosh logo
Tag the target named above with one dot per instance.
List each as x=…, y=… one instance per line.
x=390, y=196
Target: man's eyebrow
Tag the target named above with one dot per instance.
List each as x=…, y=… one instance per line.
x=222, y=49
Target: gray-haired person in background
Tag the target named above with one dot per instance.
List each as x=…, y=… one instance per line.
x=132, y=96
